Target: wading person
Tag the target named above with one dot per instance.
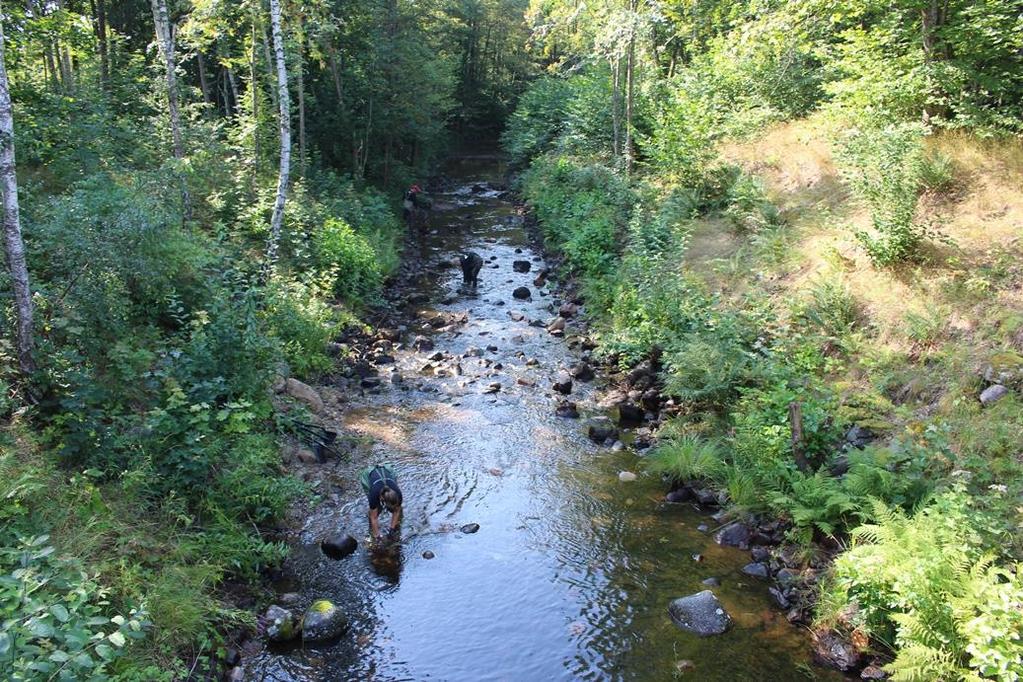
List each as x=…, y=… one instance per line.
x=382, y=491
x=409, y=204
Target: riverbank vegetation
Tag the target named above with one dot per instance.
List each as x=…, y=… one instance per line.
x=807, y=215
x=208, y=195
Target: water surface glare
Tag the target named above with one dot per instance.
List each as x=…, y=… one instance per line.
x=571, y=572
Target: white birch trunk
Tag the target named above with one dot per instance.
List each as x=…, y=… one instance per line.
x=14, y=246
x=285, y=124
x=166, y=40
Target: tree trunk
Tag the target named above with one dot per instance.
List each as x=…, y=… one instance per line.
x=233, y=84
x=254, y=94
x=335, y=72
x=931, y=20
x=14, y=246
x=629, y=84
x=300, y=86
x=166, y=40
x=270, y=70
x=99, y=13
x=285, y=123
x=204, y=83
x=796, y=424
x=616, y=109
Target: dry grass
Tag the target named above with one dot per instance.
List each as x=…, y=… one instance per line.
x=968, y=288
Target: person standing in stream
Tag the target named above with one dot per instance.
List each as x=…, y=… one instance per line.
x=381, y=488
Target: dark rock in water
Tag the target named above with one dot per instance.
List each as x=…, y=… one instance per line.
x=232, y=656
x=522, y=266
x=700, y=613
x=706, y=497
x=563, y=384
x=421, y=343
x=582, y=371
x=370, y=382
x=678, y=496
x=711, y=582
x=280, y=624
x=756, y=570
x=779, y=597
x=522, y=293
x=703, y=528
x=338, y=546
x=760, y=553
x=733, y=535
x=392, y=335
x=832, y=650
x=470, y=528
x=428, y=554
x=568, y=310
x=567, y=409
x=323, y=622
x=629, y=414
x=599, y=429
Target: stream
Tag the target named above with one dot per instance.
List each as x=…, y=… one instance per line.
x=570, y=574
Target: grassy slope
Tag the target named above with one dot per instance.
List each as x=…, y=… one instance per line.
x=925, y=331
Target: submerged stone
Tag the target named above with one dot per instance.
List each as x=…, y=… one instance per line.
x=338, y=546
x=470, y=528
x=700, y=613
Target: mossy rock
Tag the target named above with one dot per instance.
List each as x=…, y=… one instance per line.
x=323, y=622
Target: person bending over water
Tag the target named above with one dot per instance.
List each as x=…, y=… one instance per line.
x=382, y=490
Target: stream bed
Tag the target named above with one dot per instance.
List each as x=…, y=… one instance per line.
x=571, y=572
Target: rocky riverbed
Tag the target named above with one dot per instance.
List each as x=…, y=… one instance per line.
x=534, y=546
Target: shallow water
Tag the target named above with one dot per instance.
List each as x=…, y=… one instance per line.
x=571, y=572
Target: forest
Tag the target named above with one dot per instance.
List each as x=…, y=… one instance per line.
x=803, y=217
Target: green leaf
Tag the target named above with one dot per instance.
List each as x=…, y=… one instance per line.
x=60, y=656
x=59, y=612
x=5, y=643
x=104, y=651
x=117, y=639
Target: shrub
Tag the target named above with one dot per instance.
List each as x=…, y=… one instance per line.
x=303, y=322
x=884, y=168
x=57, y=621
x=350, y=259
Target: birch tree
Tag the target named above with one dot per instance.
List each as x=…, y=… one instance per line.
x=165, y=38
x=285, y=125
x=14, y=246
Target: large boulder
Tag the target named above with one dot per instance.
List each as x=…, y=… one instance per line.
x=628, y=413
x=305, y=394
x=522, y=293
x=323, y=622
x=338, y=546
x=599, y=429
x=700, y=613
x=567, y=409
x=280, y=624
x=582, y=371
x=522, y=266
x=734, y=535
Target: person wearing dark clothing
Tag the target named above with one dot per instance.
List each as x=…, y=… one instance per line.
x=409, y=203
x=382, y=491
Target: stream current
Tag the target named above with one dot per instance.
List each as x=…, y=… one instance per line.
x=571, y=572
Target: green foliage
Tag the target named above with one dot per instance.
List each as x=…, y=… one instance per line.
x=830, y=309
x=748, y=207
x=685, y=457
x=884, y=167
x=538, y=119
x=58, y=623
x=921, y=582
x=350, y=259
x=303, y=322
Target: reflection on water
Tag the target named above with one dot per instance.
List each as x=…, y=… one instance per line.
x=571, y=571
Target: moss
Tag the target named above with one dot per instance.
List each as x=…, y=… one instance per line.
x=322, y=606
